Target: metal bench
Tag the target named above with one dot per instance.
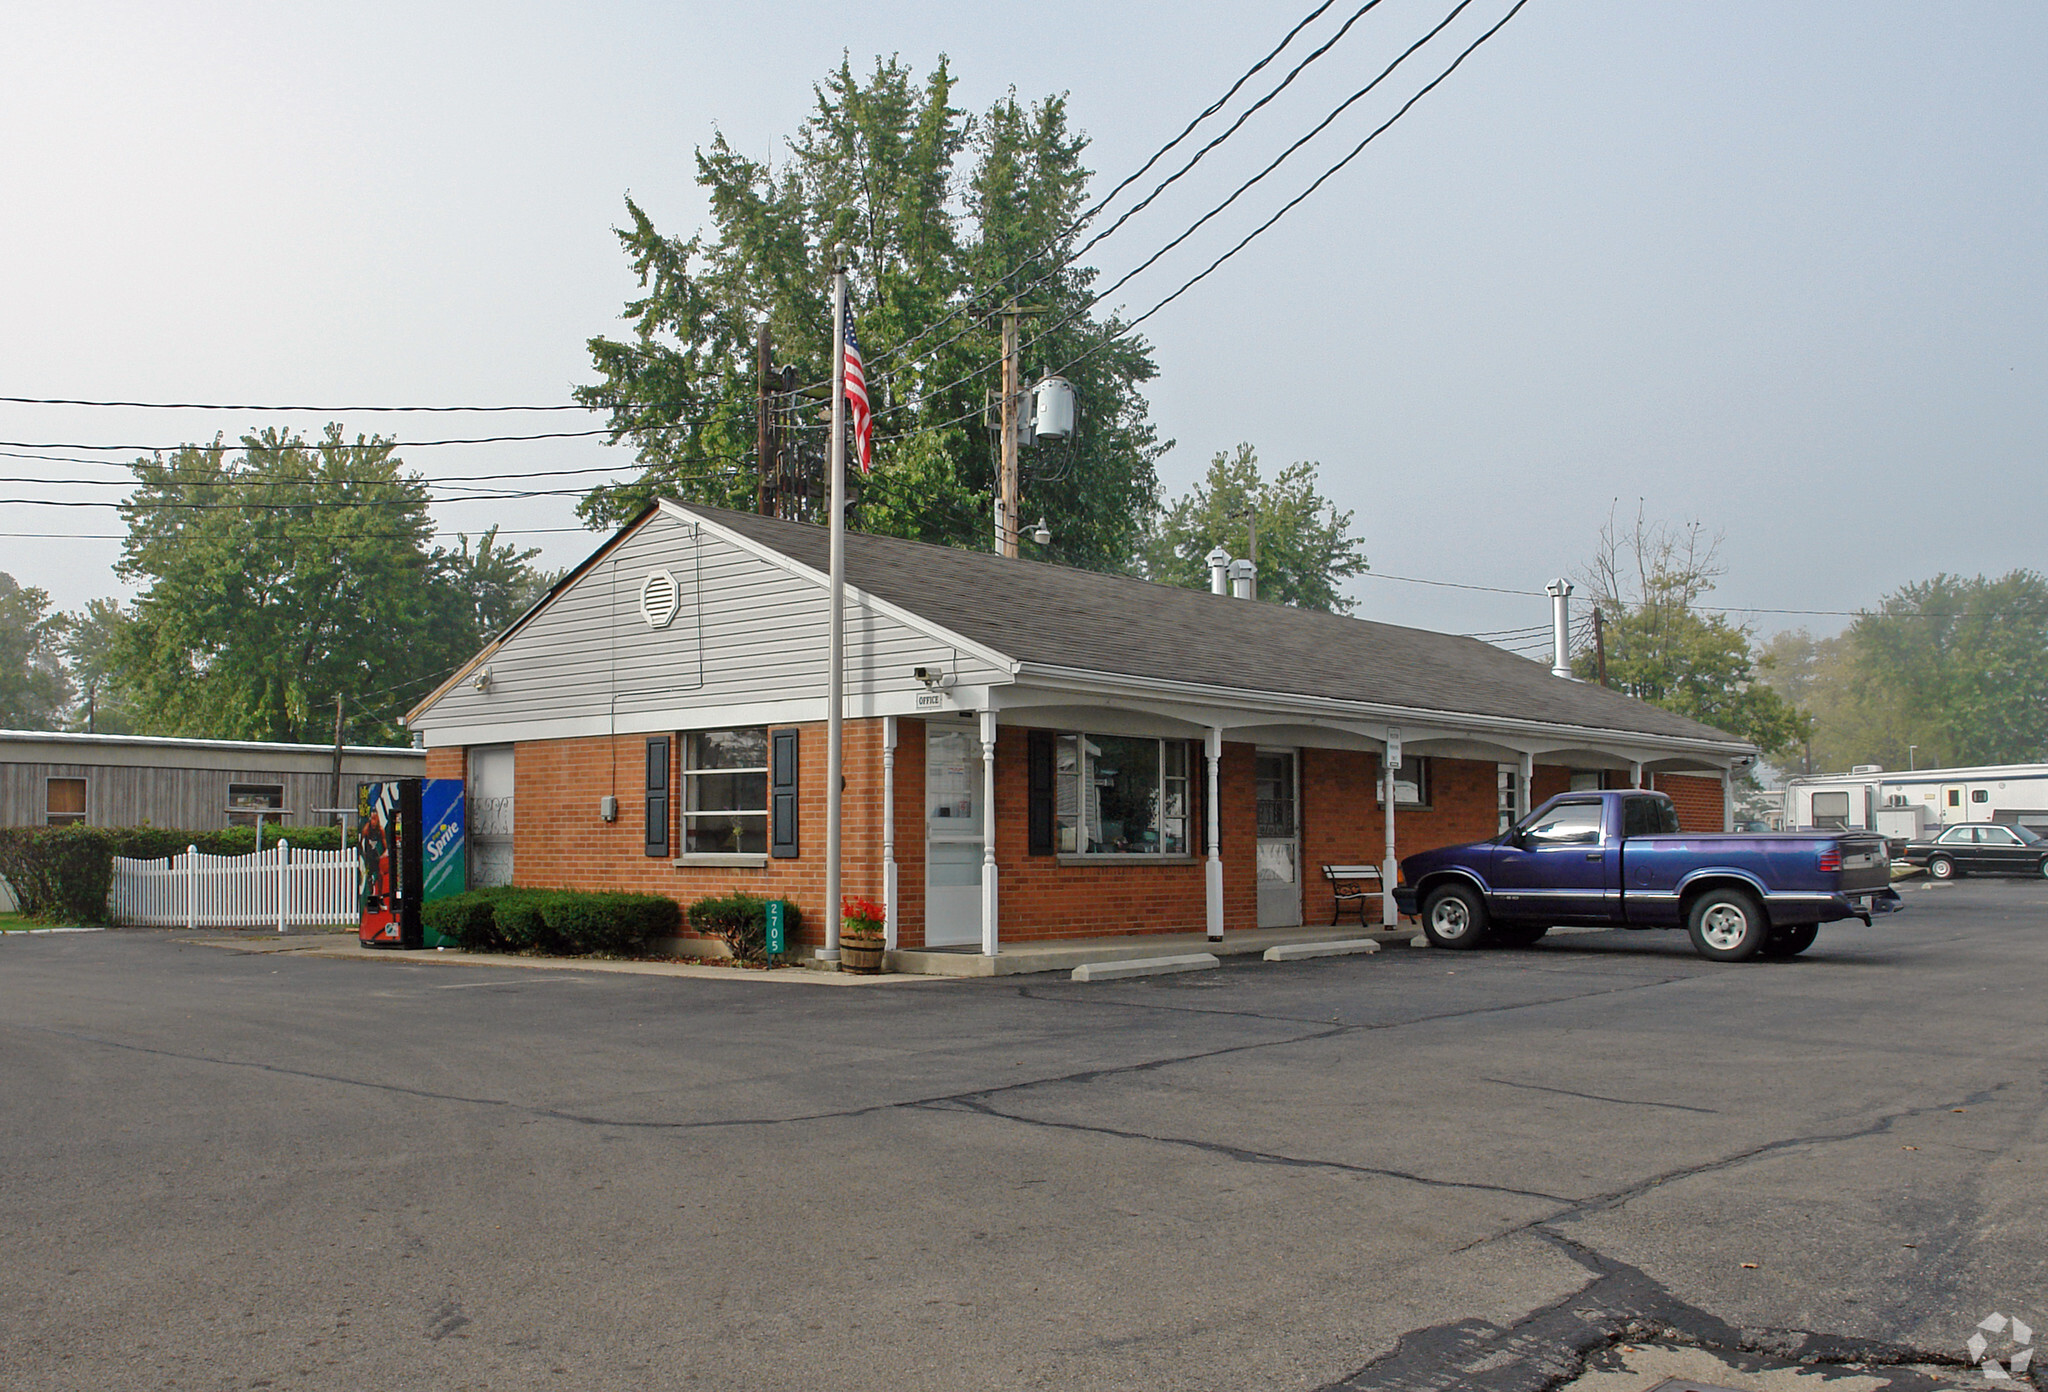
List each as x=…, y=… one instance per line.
x=1348, y=883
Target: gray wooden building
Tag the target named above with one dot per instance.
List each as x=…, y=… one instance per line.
x=48, y=779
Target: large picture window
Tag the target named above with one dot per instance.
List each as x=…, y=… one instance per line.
x=1412, y=784
x=725, y=792
x=1119, y=795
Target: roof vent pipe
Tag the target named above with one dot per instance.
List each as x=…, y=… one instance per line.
x=1560, y=626
x=1219, y=571
x=1241, y=573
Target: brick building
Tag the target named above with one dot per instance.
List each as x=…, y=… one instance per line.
x=1032, y=752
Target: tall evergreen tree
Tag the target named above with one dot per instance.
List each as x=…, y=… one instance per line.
x=949, y=217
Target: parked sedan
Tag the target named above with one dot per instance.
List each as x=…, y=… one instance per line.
x=1980, y=848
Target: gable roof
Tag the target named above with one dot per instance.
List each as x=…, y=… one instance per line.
x=1059, y=616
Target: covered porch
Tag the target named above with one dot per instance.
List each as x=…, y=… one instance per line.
x=1019, y=838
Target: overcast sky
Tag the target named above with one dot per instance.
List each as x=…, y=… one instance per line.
x=1775, y=267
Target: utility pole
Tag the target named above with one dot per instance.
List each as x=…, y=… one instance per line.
x=1006, y=481
x=764, y=434
x=1599, y=645
x=334, y=786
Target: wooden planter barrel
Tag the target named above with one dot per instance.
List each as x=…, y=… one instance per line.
x=860, y=953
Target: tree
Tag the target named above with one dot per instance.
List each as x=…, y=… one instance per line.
x=1305, y=546
x=33, y=687
x=938, y=250
x=1664, y=649
x=93, y=638
x=293, y=573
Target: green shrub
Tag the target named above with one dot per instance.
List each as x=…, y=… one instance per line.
x=520, y=927
x=609, y=923
x=470, y=918
x=740, y=921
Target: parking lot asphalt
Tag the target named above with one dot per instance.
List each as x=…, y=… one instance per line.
x=1414, y=1169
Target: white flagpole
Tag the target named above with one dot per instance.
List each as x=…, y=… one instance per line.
x=835, y=679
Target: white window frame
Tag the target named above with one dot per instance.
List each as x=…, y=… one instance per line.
x=1424, y=782
x=1068, y=789
x=689, y=811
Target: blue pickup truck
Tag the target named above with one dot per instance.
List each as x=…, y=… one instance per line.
x=1618, y=859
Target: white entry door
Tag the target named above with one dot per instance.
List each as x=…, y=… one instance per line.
x=1279, y=795
x=952, y=838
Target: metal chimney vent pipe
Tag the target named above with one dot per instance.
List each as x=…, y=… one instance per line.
x=1241, y=573
x=1219, y=571
x=1560, y=626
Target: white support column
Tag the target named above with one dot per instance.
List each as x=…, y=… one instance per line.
x=989, y=937
x=1525, y=795
x=1390, y=871
x=1213, y=871
x=889, y=892
x=1727, y=800
x=1635, y=774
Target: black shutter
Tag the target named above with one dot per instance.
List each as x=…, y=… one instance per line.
x=1043, y=800
x=1198, y=795
x=657, y=796
x=782, y=842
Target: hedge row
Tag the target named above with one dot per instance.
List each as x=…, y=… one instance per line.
x=62, y=873
x=556, y=922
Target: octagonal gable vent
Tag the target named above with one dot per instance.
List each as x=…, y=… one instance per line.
x=659, y=599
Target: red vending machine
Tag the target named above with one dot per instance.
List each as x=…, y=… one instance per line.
x=388, y=839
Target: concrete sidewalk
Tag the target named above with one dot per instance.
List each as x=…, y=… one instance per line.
x=904, y=966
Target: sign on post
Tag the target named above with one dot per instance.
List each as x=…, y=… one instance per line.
x=1393, y=746
x=778, y=938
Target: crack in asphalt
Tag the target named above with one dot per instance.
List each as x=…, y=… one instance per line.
x=1242, y=1154
x=1621, y=1303
x=1596, y=1097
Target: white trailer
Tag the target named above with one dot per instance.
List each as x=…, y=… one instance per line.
x=1909, y=804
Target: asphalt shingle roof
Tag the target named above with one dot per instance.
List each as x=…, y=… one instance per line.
x=1056, y=615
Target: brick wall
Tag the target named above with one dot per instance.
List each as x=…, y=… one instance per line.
x=562, y=841
x=1342, y=822
x=1698, y=800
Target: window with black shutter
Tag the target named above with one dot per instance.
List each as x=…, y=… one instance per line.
x=782, y=796
x=1044, y=795
x=657, y=796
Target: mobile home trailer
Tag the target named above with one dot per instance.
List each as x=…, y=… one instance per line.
x=1905, y=805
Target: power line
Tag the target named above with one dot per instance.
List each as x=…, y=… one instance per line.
x=1289, y=206
x=1100, y=204
x=895, y=372
x=1114, y=332
x=243, y=406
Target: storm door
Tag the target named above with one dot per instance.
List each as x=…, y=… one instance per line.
x=952, y=837
x=1275, y=773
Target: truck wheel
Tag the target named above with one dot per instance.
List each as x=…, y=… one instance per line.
x=1519, y=934
x=1727, y=925
x=1942, y=868
x=1454, y=916
x=1791, y=941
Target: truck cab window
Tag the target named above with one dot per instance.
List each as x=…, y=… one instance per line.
x=1567, y=824
x=1648, y=816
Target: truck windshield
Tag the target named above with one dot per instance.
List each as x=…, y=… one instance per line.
x=1649, y=816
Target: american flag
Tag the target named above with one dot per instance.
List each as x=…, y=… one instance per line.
x=858, y=415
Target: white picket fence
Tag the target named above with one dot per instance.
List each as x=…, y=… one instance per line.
x=279, y=888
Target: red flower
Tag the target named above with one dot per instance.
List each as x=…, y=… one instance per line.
x=857, y=910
